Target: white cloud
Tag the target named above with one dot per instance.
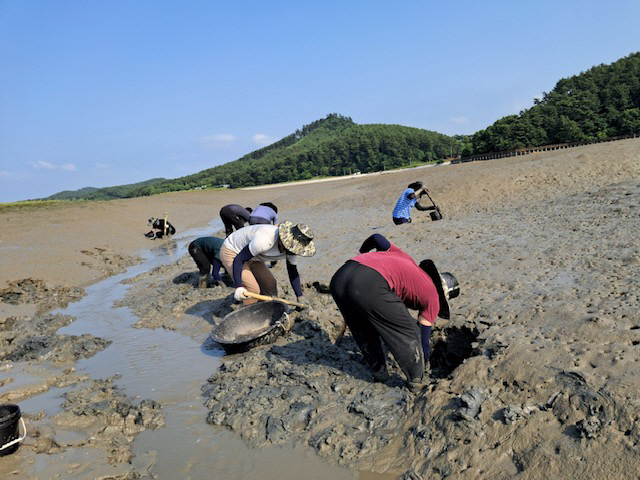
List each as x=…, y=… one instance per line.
x=217, y=140
x=461, y=120
x=42, y=165
x=262, y=139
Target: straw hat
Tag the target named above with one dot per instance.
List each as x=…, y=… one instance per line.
x=446, y=284
x=297, y=238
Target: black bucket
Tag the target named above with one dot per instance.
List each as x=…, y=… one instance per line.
x=9, y=418
x=436, y=214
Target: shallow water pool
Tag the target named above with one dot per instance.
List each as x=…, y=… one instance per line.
x=170, y=368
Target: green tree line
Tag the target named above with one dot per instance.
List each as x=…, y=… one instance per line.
x=108, y=193
x=601, y=103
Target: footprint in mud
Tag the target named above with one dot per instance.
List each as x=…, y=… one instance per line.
x=34, y=291
x=108, y=262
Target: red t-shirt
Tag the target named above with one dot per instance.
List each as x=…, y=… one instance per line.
x=407, y=280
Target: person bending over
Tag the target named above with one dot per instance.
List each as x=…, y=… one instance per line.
x=205, y=251
x=245, y=252
x=160, y=227
x=265, y=213
x=374, y=291
x=407, y=200
x=234, y=216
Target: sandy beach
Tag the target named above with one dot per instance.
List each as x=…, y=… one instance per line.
x=536, y=374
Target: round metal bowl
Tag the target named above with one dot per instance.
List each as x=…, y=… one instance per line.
x=257, y=324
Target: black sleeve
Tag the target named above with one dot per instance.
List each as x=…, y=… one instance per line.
x=376, y=241
x=215, y=272
x=294, y=278
x=238, y=262
x=421, y=208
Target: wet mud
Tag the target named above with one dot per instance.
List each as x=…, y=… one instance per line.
x=96, y=417
x=38, y=292
x=535, y=375
x=519, y=360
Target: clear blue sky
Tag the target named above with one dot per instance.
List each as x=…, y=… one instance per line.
x=103, y=93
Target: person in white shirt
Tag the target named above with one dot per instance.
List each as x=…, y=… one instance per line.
x=245, y=251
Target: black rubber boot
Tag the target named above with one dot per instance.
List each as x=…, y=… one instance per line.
x=381, y=375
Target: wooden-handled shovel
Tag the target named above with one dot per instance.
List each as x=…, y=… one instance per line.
x=267, y=298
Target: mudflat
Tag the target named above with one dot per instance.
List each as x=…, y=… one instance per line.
x=535, y=374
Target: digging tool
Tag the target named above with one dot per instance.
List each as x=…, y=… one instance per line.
x=267, y=298
x=436, y=214
x=166, y=225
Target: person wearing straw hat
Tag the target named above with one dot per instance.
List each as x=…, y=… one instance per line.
x=373, y=291
x=245, y=251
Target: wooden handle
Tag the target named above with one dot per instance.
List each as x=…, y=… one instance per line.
x=267, y=298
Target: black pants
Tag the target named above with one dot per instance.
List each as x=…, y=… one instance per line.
x=259, y=221
x=373, y=313
x=202, y=261
x=231, y=221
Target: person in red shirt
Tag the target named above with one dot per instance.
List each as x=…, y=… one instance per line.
x=374, y=291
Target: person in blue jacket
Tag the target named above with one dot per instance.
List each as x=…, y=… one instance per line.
x=408, y=199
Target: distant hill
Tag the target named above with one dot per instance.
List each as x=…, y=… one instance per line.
x=331, y=146
x=73, y=194
x=600, y=103
x=91, y=193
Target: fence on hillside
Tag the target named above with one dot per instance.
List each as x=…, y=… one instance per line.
x=526, y=151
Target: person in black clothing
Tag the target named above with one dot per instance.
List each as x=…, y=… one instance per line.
x=159, y=228
x=234, y=216
x=205, y=251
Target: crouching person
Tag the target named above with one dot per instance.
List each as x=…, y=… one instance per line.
x=245, y=252
x=373, y=292
x=205, y=251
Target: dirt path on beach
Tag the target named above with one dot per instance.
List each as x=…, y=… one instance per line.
x=535, y=374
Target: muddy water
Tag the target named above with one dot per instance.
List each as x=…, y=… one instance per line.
x=170, y=368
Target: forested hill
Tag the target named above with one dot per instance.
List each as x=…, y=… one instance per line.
x=121, y=191
x=331, y=146
x=601, y=103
